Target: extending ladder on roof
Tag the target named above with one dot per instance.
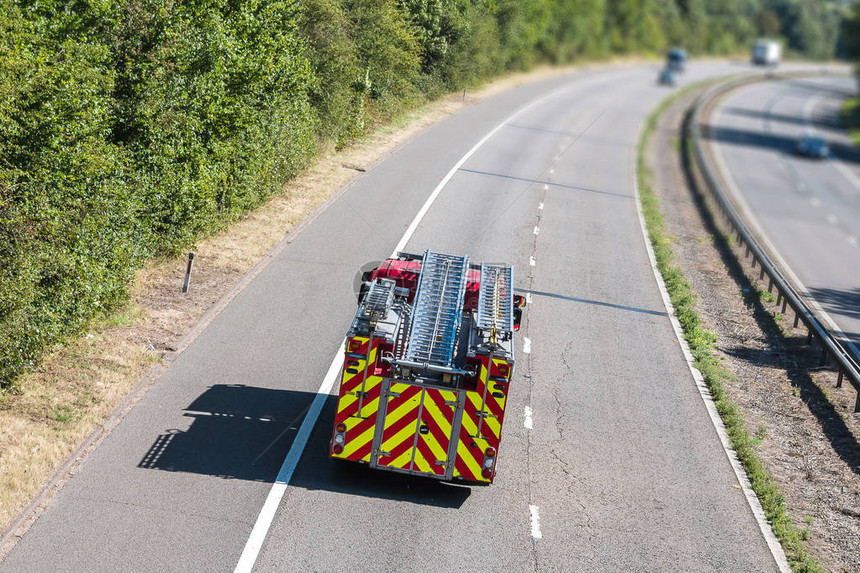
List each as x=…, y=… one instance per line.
x=496, y=299
x=438, y=309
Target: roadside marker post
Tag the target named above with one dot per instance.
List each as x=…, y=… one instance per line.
x=188, y=272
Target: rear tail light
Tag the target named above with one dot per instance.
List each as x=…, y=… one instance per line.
x=489, y=462
x=339, y=438
x=504, y=369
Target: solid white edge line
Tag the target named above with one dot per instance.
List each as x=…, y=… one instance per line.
x=279, y=488
x=752, y=500
x=535, y=519
x=285, y=474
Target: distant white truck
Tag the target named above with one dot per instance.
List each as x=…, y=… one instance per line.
x=766, y=52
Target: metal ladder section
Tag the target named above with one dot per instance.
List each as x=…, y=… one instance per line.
x=496, y=299
x=438, y=309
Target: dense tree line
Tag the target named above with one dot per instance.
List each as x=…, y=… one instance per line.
x=129, y=128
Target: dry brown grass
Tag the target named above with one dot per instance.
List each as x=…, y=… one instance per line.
x=81, y=384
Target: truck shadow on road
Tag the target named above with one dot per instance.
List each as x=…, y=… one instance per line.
x=237, y=432
x=244, y=432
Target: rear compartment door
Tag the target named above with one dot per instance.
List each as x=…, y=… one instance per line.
x=416, y=432
x=434, y=432
x=396, y=443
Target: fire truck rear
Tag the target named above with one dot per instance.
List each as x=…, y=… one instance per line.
x=427, y=368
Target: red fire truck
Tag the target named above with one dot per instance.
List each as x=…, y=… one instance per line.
x=427, y=368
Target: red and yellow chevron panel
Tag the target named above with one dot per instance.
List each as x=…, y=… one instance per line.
x=400, y=426
x=482, y=420
x=434, y=432
x=358, y=402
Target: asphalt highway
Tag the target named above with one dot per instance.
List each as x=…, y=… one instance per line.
x=621, y=468
x=807, y=210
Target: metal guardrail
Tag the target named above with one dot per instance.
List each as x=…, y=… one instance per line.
x=848, y=364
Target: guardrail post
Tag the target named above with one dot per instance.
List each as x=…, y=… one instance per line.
x=839, y=379
x=809, y=337
x=823, y=360
x=857, y=404
x=761, y=274
x=770, y=284
x=784, y=304
x=778, y=298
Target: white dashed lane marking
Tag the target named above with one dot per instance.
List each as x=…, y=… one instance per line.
x=537, y=231
x=532, y=261
x=527, y=422
x=540, y=206
x=527, y=345
x=535, y=517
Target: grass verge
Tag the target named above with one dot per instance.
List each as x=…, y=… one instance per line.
x=851, y=118
x=702, y=343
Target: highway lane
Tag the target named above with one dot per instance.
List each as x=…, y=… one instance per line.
x=622, y=464
x=806, y=210
x=622, y=469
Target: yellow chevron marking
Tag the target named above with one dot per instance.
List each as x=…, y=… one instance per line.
x=402, y=461
x=442, y=419
x=465, y=454
x=356, y=443
x=407, y=433
x=368, y=408
x=469, y=424
x=494, y=425
x=346, y=400
x=435, y=447
x=421, y=464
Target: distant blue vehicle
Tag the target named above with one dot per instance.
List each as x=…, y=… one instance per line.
x=667, y=77
x=812, y=145
x=676, y=59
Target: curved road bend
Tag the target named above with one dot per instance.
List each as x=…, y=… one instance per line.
x=808, y=210
x=622, y=470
